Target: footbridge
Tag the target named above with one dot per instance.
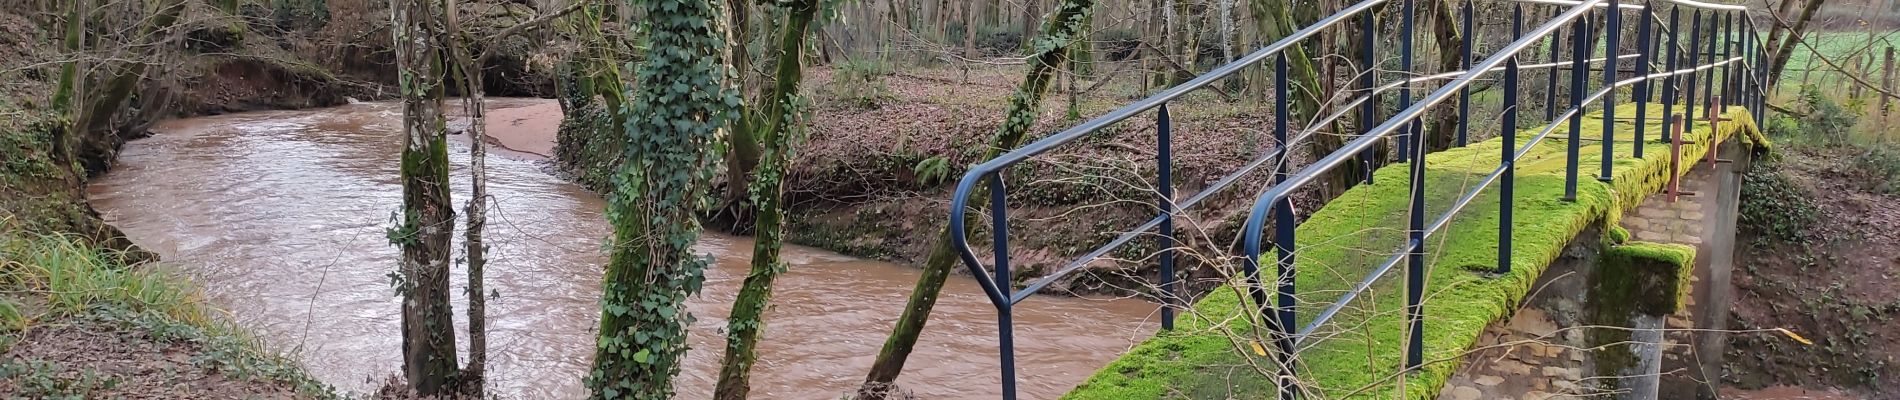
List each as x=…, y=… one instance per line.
x=1401, y=286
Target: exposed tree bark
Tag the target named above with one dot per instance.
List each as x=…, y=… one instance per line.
x=1065, y=25
x=781, y=133
x=680, y=104
x=428, y=218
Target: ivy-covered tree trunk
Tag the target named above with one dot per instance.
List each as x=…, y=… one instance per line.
x=679, y=104
x=1062, y=30
x=782, y=131
x=428, y=218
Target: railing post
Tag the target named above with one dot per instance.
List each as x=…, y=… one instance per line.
x=1507, y=185
x=1464, y=94
x=1728, y=52
x=1669, y=65
x=1612, y=32
x=1574, y=148
x=1406, y=141
x=1695, y=60
x=1550, y=92
x=1164, y=157
x=1643, y=86
x=1415, y=269
x=1368, y=110
x=1675, y=155
x=1283, y=245
x=1006, y=330
x=1708, y=81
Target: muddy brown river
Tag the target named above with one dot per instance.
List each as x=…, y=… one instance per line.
x=280, y=216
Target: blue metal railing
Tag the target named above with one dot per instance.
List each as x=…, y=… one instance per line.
x=1279, y=314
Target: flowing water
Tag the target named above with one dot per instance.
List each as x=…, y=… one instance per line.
x=281, y=217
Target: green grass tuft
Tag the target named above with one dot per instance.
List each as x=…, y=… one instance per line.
x=74, y=279
x=1358, y=353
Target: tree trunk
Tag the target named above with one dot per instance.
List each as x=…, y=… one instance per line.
x=1275, y=20
x=1886, y=83
x=1066, y=23
x=469, y=73
x=747, y=322
x=969, y=28
x=1443, y=127
x=681, y=103
x=737, y=209
x=428, y=340
x=1795, y=34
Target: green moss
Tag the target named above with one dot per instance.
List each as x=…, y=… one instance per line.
x=1618, y=235
x=1634, y=278
x=1359, y=351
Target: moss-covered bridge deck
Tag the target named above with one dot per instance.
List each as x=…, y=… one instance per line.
x=1215, y=353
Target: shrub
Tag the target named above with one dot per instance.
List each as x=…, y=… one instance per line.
x=1773, y=206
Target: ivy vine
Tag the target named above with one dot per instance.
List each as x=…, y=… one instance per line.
x=679, y=103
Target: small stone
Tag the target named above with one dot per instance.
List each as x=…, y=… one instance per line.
x=1536, y=349
x=1540, y=384
x=1636, y=222
x=1654, y=212
x=1533, y=360
x=1652, y=236
x=1513, y=367
x=1689, y=205
x=1466, y=393
x=1554, y=372
x=1576, y=356
x=1489, y=380
x=1536, y=395
x=1688, y=239
x=1695, y=228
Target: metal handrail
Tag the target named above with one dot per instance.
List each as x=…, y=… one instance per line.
x=1274, y=198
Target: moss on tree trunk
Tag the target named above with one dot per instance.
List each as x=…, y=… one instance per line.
x=428, y=338
x=781, y=134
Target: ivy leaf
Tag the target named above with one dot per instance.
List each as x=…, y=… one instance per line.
x=643, y=356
